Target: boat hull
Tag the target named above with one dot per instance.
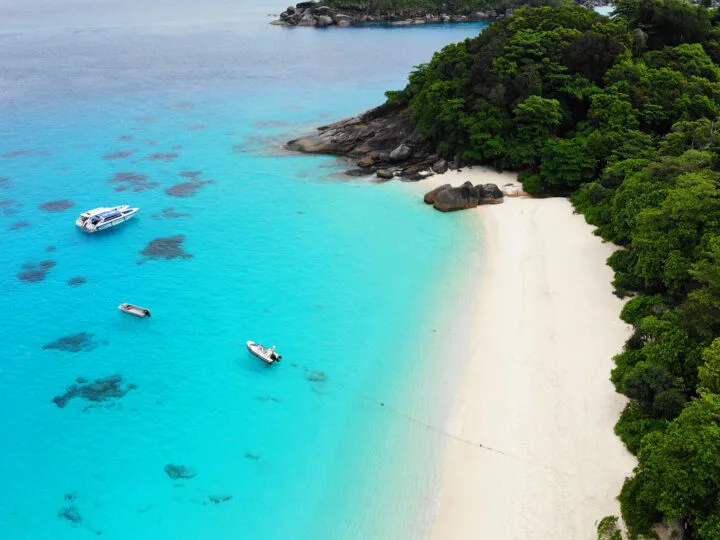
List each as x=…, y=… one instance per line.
x=82, y=220
x=134, y=310
x=262, y=353
x=89, y=228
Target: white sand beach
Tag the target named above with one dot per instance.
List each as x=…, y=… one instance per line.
x=537, y=384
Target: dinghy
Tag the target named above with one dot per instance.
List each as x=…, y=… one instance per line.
x=134, y=310
x=269, y=356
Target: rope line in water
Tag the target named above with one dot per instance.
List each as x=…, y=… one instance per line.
x=398, y=412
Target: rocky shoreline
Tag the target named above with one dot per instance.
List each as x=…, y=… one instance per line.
x=321, y=15
x=383, y=142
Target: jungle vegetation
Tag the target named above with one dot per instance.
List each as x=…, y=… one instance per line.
x=623, y=115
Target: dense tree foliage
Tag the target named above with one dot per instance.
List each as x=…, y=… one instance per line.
x=623, y=113
x=444, y=6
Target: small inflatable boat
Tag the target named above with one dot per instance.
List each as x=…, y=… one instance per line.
x=269, y=356
x=134, y=310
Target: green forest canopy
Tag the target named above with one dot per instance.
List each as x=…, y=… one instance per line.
x=622, y=114
x=446, y=6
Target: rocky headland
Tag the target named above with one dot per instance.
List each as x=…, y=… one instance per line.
x=323, y=14
x=383, y=142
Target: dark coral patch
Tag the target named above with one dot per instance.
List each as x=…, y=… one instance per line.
x=4, y=182
x=167, y=157
x=170, y=213
x=195, y=127
x=217, y=499
x=57, y=206
x=121, y=154
x=77, y=281
x=26, y=153
x=50, y=249
x=99, y=390
x=179, y=472
x=71, y=513
x=190, y=174
x=317, y=376
x=146, y=119
x=83, y=341
x=166, y=248
x=128, y=181
x=125, y=138
x=9, y=207
x=34, y=272
x=186, y=189
x=19, y=225
x=178, y=147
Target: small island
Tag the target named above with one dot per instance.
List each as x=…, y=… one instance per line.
x=325, y=13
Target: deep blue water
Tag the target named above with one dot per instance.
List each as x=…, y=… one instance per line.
x=110, y=102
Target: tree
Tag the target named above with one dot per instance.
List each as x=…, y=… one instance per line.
x=678, y=471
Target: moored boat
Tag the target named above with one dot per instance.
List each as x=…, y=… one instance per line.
x=80, y=221
x=267, y=355
x=100, y=219
x=132, y=309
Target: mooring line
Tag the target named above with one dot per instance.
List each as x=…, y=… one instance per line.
x=398, y=412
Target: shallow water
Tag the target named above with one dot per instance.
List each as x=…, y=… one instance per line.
x=179, y=108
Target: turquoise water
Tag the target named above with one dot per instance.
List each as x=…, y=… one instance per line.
x=341, y=274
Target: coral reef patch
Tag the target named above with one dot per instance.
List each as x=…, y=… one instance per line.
x=170, y=213
x=167, y=157
x=57, y=206
x=187, y=189
x=120, y=154
x=71, y=513
x=179, y=471
x=130, y=181
x=19, y=225
x=82, y=341
x=100, y=390
x=217, y=499
x=77, y=281
x=166, y=248
x=35, y=272
x=9, y=207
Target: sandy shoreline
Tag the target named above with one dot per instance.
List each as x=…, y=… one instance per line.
x=536, y=388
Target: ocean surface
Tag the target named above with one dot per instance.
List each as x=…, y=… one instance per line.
x=180, y=108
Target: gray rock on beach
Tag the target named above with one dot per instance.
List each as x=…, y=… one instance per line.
x=430, y=196
x=459, y=198
x=489, y=194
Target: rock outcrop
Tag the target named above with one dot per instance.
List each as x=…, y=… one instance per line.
x=383, y=140
x=489, y=194
x=448, y=199
x=322, y=15
x=430, y=196
x=459, y=198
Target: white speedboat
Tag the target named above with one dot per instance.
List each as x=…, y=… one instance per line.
x=132, y=309
x=100, y=219
x=95, y=211
x=269, y=356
